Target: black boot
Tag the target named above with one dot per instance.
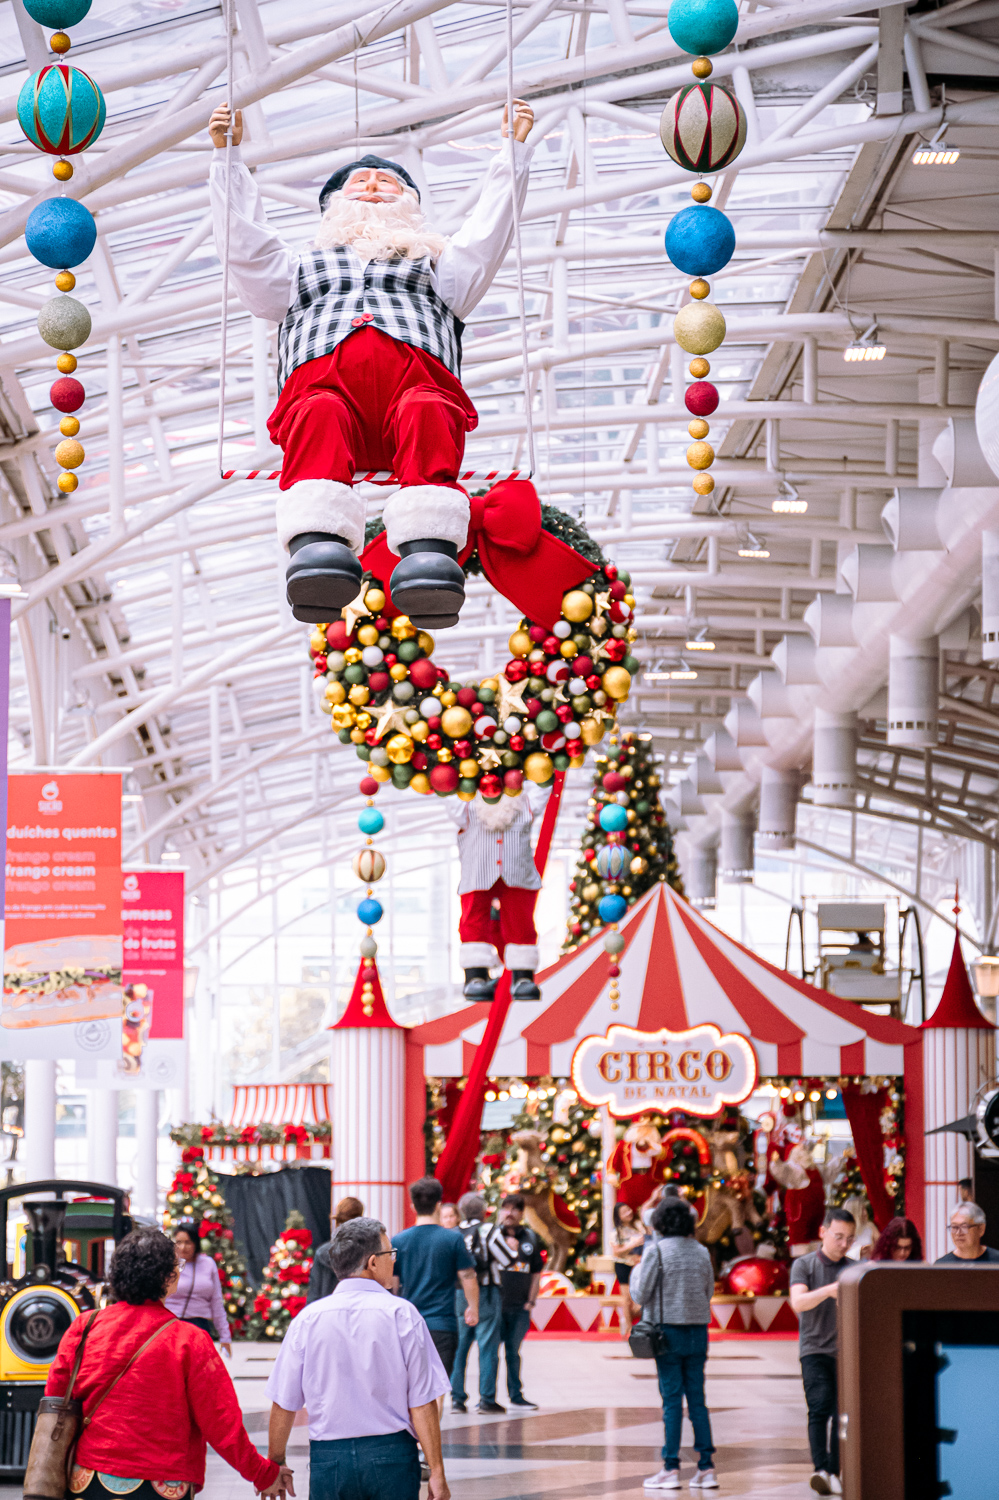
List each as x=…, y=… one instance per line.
x=478, y=985
x=428, y=585
x=323, y=576
x=522, y=986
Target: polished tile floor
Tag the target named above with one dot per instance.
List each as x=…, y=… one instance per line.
x=598, y=1431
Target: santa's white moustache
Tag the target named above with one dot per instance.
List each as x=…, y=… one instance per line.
x=378, y=231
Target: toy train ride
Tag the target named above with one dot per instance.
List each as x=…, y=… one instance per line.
x=37, y=1306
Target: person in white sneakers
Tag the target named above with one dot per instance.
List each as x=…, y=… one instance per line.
x=814, y=1293
x=673, y=1284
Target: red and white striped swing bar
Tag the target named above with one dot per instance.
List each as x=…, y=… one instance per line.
x=385, y=476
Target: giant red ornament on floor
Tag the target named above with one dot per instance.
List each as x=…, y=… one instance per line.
x=764, y=1278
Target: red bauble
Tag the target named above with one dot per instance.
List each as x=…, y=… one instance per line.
x=616, y=650
x=371, y=736
x=613, y=781
x=379, y=681
x=444, y=779
x=338, y=636
x=551, y=645
x=701, y=398
x=477, y=709
x=434, y=742
x=490, y=786
x=320, y=665
x=368, y=786
x=442, y=674
x=593, y=682
x=553, y=741
x=513, y=779
x=390, y=658
x=534, y=707
x=611, y=571
x=418, y=760
x=67, y=394
x=462, y=749
x=617, y=590
x=582, y=665
x=517, y=742
x=618, y=612
x=381, y=624
x=574, y=748
x=423, y=674
x=614, y=971
x=434, y=723
x=537, y=633
x=563, y=712
x=467, y=696
x=763, y=1277
x=516, y=670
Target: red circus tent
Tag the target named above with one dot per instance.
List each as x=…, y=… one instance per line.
x=677, y=971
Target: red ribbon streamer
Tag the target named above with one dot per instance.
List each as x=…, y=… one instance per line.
x=457, y=1161
x=522, y=561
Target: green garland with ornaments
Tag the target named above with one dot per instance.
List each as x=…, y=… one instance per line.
x=195, y=1195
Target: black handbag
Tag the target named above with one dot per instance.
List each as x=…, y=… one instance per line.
x=645, y=1340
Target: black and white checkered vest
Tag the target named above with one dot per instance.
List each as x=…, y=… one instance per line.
x=337, y=295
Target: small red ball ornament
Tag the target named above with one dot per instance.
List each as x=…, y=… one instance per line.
x=552, y=645
x=617, y=590
x=379, y=681
x=368, y=786
x=320, y=665
x=611, y=571
x=701, y=398
x=434, y=742
x=593, y=682
x=574, y=748
x=516, y=671
x=582, y=665
x=423, y=673
x=462, y=749
x=616, y=650
x=513, y=779
x=517, y=742
x=467, y=696
x=537, y=633
x=563, y=713
x=67, y=394
x=418, y=761
x=338, y=636
x=444, y=779
x=433, y=724
x=534, y=707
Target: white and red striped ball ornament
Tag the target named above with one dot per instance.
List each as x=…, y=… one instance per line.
x=368, y=865
x=703, y=127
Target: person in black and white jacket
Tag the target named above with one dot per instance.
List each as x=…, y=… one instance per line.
x=516, y=1261
x=369, y=363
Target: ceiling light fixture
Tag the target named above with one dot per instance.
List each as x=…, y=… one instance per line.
x=867, y=347
x=685, y=674
x=789, y=507
x=936, y=152
x=752, y=547
x=699, y=645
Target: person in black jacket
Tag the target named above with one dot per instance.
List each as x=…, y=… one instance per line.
x=322, y=1277
x=486, y=1333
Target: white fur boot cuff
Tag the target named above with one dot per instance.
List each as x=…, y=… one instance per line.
x=521, y=956
x=323, y=505
x=426, y=511
x=478, y=956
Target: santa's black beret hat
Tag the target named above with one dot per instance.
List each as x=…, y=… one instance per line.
x=342, y=175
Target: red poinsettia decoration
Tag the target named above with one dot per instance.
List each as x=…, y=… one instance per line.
x=192, y=1153
x=294, y=1305
x=261, y=1304
x=301, y=1237
x=295, y=1135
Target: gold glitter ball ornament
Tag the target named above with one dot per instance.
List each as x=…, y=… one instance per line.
x=520, y=642
x=67, y=483
x=420, y=783
x=363, y=719
x=368, y=635
x=699, y=288
x=352, y=655
x=703, y=484
x=591, y=731
x=66, y=364
x=343, y=717
x=616, y=682
x=577, y=606
x=701, y=192
x=698, y=428
x=335, y=693
x=419, y=730
x=444, y=755
x=374, y=600
x=380, y=773
x=426, y=642
x=568, y=649
x=399, y=672
x=448, y=699
x=699, y=368
x=538, y=767
x=60, y=42
x=69, y=426
x=638, y=865
x=403, y=629
x=702, y=67
x=468, y=768
x=591, y=892
x=359, y=693
x=399, y=749
x=456, y=722
x=69, y=454
x=62, y=171
x=65, y=281
x=700, y=455
x=699, y=327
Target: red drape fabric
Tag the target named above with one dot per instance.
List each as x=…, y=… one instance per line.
x=864, y=1114
x=457, y=1160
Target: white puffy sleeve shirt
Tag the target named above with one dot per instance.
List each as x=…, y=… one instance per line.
x=264, y=269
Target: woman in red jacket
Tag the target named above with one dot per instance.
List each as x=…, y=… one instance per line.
x=147, y=1438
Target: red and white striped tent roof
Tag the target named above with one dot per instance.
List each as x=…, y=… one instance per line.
x=677, y=971
x=280, y=1104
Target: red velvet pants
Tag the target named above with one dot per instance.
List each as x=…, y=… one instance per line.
x=373, y=403
x=516, y=923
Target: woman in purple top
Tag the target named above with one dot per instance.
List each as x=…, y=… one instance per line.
x=198, y=1297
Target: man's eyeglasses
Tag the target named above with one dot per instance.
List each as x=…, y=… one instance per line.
x=962, y=1228
x=393, y=1253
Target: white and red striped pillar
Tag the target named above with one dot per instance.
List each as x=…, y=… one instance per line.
x=368, y=1077
x=959, y=1054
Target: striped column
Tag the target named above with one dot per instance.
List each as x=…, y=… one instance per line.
x=367, y=1070
x=957, y=1060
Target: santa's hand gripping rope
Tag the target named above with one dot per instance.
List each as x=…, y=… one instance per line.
x=369, y=354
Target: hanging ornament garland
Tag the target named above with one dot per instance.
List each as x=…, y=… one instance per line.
x=61, y=111
x=703, y=128
x=369, y=865
x=412, y=726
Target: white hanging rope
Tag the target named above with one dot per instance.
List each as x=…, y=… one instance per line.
x=528, y=395
x=224, y=339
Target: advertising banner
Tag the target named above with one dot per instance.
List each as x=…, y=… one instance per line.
x=62, y=991
x=152, y=915
x=4, y=731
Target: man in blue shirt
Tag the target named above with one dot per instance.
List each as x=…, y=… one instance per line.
x=430, y=1261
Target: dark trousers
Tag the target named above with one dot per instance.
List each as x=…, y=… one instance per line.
x=386, y=1467
x=818, y=1373
x=681, y=1374
x=514, y=1323
x=486, y=1334
x=446, y=1344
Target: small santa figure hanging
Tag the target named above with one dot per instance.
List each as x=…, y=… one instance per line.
x=637, y=1165
x=804, y=1194
x=369, y=355
x=498, y=888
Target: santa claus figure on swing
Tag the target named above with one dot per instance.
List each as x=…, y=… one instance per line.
x=369, y=354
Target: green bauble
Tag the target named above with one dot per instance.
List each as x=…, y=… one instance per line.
x=561, y=761
x=547, y=721
x=402, y=775
x=642, y=809
x=363, y=752
x=510, y=760
x=582, y=704
x=355, y=673
x=631, y=664
x=536, y=685
x=486, y=695
x=343, y=735
x=408, y=651
x=469, y=785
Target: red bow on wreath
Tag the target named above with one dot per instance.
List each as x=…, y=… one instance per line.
x=522, y=561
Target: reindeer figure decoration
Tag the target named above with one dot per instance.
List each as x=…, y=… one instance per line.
x=546, y=1211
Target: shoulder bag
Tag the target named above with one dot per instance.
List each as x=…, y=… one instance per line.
x=60, y=1422
x=645, y=1341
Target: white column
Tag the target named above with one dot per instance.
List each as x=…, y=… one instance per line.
x=778, y=808
x=608, y=1140
x=913, y=691
x=701, y=875
x=990, y=582
x=834, y=759
x=39, y=1118
x=736, y=864
x=147, y=1118
x=957, y=1060
x=368, y=1076
x=102, y=1136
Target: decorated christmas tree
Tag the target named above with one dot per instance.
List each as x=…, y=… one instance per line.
x=626, y=847
x=286, y=1276
x=195, y=1195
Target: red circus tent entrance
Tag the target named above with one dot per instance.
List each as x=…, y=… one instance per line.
x=677, y=971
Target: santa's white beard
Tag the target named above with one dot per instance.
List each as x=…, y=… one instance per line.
x=378, y=231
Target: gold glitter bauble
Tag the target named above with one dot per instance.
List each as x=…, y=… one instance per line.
x=456, y=721
x=698, y=428
x=699, y=368
x=374, y=600
x=491, y=683
x=69, y=426
x=317, y=641
x=701, y=192
x=62, y=171
x=426, y=643
x=591, y=731
x=538, y=767
x=399, y=749
x=357, y=736
x=700, y=455
x=699, y=288
x=591, y=892
x=343, y=717
x=403, y=628
x=577, y=606
x=616, y=682
x=67, y=483
x=420, y=783
x=380, y=773
x=444, y=755
x=699, y=327
x=419, y=730
x=363, y=720
x=468, y=768
x=65, y=281
x=66, y=364
x=368, y=635
x=447, y=699
x=702, y=67
x=359, y=693
x=568, y=649
x=335, y=692
x=399, y=672
x=638, y=865
x=69, y=454
x=520, y=643
x=352, y=655
x=703, y=484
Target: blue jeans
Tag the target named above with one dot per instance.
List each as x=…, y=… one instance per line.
x=386, y=1467
x=681, y=1373
x=514, y=1323
x=486, y=1334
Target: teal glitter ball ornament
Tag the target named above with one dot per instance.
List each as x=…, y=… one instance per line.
x=369, y=911
x=613, y=818
x=64, y=323
x=60, y=232
x=700, y=240
x=703, y=27
x=370, y=821
x=57, y=13
x=703, y=127
x=612, y=908
x=61, y=110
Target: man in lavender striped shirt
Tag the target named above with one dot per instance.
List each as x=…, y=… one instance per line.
x=363, y=1364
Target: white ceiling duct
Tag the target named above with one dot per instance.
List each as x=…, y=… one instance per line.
x=829, y=618
x=704, y=778
x=987, y=416
x=958, y=453
x=794, y=658
x=722, y=751
x=910, y=520
x=867, y=573
x=744, y=725
x=770, y=697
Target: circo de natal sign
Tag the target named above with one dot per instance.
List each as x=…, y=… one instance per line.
x=699, y=1071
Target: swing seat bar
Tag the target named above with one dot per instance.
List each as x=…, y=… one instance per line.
x=385, y=476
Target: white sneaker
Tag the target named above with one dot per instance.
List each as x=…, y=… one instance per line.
x=835, y=1485
x=666, y=1479
x=820, y=1482
x=704, y=1479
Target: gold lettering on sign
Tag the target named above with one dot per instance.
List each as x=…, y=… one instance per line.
x=633, y=1060
x=605, y=1067
x=718, y=1065
x=660, y=1067
x=688, y=1066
